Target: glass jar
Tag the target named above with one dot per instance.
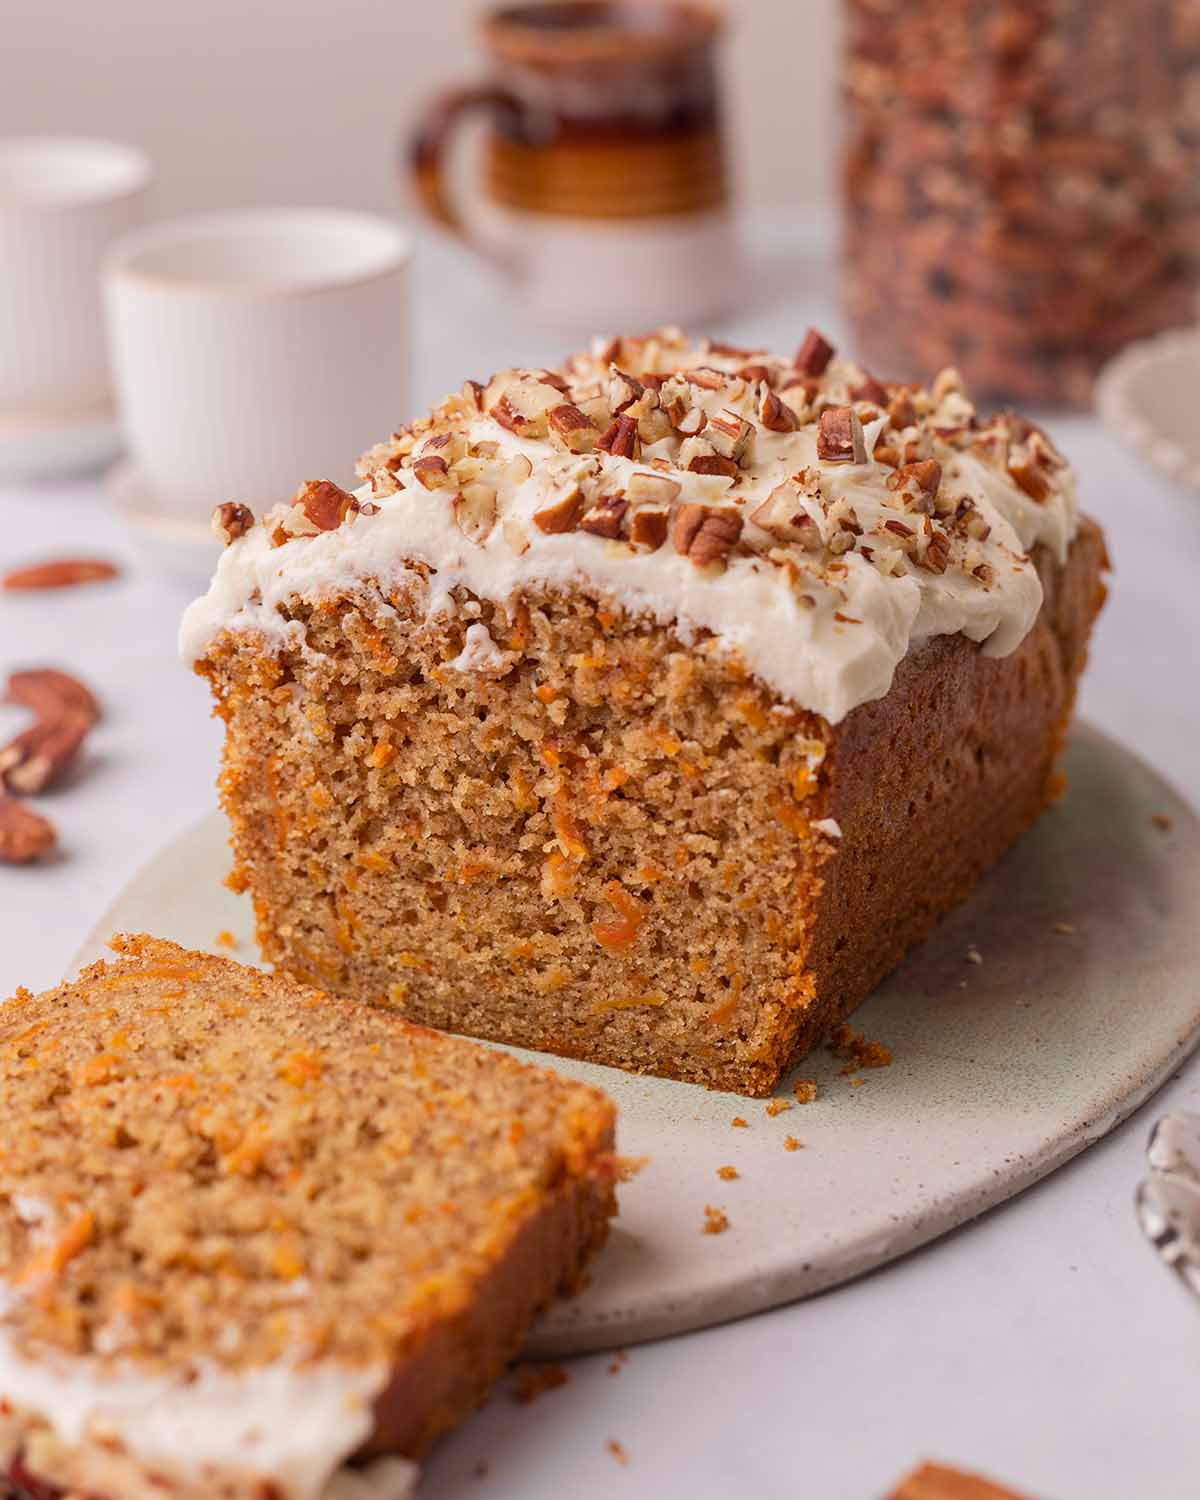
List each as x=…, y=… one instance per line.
x=1022, y=185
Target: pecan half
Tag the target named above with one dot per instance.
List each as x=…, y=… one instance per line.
x=814, y=354
x=24, y=834
x=621, y=438
x=562, y=516
x=604, y=518
x=840, y=438
x=231, y=521
x=41, y=755
x=705, y=534
x=52, y=694
x=62, y=573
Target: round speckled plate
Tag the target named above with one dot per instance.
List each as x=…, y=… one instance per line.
x=1085, y=1000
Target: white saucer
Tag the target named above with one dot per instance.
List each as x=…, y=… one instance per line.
x=1147, y=397
x=58, y=443
x=169, y=542
x=1002, y=1070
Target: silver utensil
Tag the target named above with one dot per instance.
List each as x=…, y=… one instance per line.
x=1168, y=1198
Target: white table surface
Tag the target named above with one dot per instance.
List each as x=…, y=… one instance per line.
x=1043, y=1344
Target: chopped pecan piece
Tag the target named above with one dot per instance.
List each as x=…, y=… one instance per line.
x=753, y=373
x=783, y=515
x=475, y=511
x=840, y=438
x=714, y=463
x=432, y=470
x=648, y=529
x=621, y=438
x=707, y=379
x=775, y=415
x=705, y=534
x=604, y=518
x=623, y=390
x=690, y=421
x=62, y=573
x=24, y=834
x=572, y=429
x=324, y=503
x=937, y=552
x=901, y=411
x=231, y=521
x=870, y=389
x=921, y=480
x=1028, y=475
x=652, y=489
x=563, y=515
x=729, y=434
x=814, y=354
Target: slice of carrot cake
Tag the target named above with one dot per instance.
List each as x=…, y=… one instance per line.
x=648, y=710
x=249, y=1233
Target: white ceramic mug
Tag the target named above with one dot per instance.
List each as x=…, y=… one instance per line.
x=256, y=350
x=62, y=202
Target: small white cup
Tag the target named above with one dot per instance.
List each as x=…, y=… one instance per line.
x=62, y=202
x=253, y=351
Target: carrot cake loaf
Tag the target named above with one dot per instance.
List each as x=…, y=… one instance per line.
x=249, y=1232
x=650, y=709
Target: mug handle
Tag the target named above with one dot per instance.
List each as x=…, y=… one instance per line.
x=428, y=152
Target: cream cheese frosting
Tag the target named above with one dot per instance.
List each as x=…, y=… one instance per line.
x=103, y=1421
x=797, y=514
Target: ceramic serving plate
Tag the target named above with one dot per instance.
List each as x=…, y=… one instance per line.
x=1083, y=1003
x=1146, y=396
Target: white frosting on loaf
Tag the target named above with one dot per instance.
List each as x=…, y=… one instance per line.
x=813, y=523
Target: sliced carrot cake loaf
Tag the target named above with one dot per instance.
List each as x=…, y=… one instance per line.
x=249, y=1232
x=647, y=710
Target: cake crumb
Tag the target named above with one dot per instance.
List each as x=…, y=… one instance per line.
x=618, y=1451
x=628, y=1167
x=973, y=954
x=728, y=1174
x=739, y=1123
x=619, y=1360
x=790, y=1143
x=1066, y=928
x=805, y=1090
x=1161, y=820
x=855, y=1050
x=532, y=1380
x=777, y=1106
x=716, y=1220
x=225, y=939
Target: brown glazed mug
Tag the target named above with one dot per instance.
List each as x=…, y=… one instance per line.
x=604, y=189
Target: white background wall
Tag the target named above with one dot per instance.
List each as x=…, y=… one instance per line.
x=243, y=101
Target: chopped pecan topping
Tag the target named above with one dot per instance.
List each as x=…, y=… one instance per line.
x=231, y=521
x=324, y=503
x=604, y=518
x=840, y=438
x=62, y=573
x=623, y=390
x=937, y=552
x=920, y=481
x=729, y=434
x=652, y=489
x=870, y=389
x=475, y=511
x=775, y=415
x=432, y=470
x=784, y=516
x=691, y=421
x=648, y=529
x=621, y=438
x=572, y=429
x=901, y=411
x=1030, y=477
x=705, y=378
x=705, y=534
x=24, y=834
x=714, y=463
x=563, y=515
x=814, y=354
x=752, y=374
